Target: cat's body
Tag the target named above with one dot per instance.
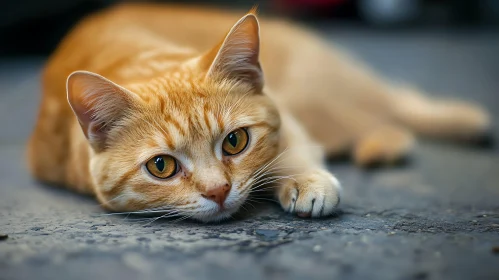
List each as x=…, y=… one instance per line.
x=173, y=94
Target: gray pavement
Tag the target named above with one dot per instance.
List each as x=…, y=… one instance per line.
x=437, y=218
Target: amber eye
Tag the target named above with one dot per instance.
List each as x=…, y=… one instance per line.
x=235, y=142
x=162, y=166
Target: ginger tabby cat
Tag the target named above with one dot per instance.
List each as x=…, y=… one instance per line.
x=168, y=113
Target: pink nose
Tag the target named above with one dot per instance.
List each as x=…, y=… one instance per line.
x=218, y=194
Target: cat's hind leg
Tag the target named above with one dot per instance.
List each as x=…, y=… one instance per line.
x=412, y=112
x=439, y=118
x=345, y=129
x=384, y=145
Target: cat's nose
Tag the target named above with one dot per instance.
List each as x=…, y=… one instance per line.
x=217, y=194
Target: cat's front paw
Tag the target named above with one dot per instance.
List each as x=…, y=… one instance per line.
x=313, y=194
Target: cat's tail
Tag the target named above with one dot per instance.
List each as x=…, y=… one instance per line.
x=441, y=118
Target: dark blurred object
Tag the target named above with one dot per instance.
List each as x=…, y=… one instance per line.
x=395, y=12
x=13, y=12
x=36, y=27
x=378, y=12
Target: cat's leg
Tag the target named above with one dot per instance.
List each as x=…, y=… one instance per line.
x=379, y=126
x=368, y=136
x=328, y=124
x=410, y=112
x=311, y=190
x=386, y=144
x=314, y=193
x=445, y=119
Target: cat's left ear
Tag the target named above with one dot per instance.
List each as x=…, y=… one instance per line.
x=237, y=57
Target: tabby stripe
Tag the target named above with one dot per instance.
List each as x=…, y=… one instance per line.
x=119, y=186
x=177, y=125
x=265, y=124
x=206, y=119
x=168, y=138
x=220, y=121
x=194, y=122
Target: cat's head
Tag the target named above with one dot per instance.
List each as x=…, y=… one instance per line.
x=188, y=143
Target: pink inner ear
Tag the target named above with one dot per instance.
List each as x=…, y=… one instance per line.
x=83, y=114
x=96, y=102
x=97, y=131
x=92, y=129
x=237, y=56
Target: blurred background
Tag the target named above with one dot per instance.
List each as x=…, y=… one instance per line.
x=35, y=27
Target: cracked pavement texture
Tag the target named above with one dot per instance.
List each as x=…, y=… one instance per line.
x=436, y=218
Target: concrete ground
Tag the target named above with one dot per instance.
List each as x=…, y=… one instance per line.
x=437, y=218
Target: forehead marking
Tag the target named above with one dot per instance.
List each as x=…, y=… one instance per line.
x=165, y=134
x=206, y=118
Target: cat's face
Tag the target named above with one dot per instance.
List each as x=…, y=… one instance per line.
x=187, y=143
x=194, y=152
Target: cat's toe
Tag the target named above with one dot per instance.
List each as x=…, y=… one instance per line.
x=287, y=195
x=315, y=194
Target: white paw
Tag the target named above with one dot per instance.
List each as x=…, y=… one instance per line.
x=313, y=194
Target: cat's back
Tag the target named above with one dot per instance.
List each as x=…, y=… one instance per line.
x=112, y=38
x=104, y=39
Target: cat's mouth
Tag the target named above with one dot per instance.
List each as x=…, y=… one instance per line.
x=212, y=212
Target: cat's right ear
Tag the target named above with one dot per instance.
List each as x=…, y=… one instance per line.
x=98, y=103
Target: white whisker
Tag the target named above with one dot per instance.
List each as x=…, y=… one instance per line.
x=163, y=216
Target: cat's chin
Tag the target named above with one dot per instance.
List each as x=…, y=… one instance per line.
x=215, y=216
